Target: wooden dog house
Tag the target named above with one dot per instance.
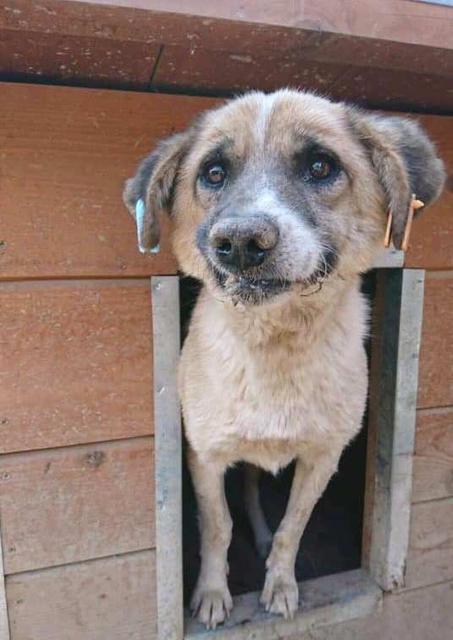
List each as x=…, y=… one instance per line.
x=89, y=332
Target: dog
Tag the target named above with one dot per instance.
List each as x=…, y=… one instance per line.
x=277, y=202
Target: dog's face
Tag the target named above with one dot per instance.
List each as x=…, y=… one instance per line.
x=271, y=194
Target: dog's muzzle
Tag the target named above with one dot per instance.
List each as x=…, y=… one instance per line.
x=242, y=254
x=239, y=245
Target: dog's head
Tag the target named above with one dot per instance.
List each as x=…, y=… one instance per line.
x=273, y=193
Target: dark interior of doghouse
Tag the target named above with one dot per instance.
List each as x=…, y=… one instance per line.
x=332, y=541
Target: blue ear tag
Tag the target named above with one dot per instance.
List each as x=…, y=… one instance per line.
x=140, y=211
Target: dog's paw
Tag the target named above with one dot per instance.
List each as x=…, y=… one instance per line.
x=281, y=593
x=211, y=605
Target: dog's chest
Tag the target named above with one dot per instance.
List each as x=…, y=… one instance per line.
x=292, y=394
x=286, y=391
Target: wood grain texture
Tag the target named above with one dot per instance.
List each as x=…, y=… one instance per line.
x=65, y=154
x=433, y=461
x=388, y=88
x=436, y=356
x=199, y=69
x=75, y=363
x=412, y=615
x=430, y=557
x=431, y=245
x=399, y=21
x=106, y=599
x=77, y=59
x=77, y=503
x=337, y=76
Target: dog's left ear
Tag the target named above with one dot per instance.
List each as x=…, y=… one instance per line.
x=405, y=161
x=152, y=188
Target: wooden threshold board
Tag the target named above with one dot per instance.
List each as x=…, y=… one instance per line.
x=323, y=601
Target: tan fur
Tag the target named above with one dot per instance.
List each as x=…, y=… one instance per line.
x=267, y=386
x=286, y=379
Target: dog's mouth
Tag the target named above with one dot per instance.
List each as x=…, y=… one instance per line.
x=256, y=290
x=249, y=289
x=259, y=286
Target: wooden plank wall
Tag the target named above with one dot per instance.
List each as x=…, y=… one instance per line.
x=76, y=402
x=430, y=559
x=76, y=429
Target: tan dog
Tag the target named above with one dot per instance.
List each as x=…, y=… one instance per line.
x=278, y=203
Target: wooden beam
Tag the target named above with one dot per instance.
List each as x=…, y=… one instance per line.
x=168, y=443
x=4, y=624
x=393, y=393
x=395, y=21
x=324, y=46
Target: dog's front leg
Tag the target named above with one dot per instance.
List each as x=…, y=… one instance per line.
x=280, y=593
x=211, y=599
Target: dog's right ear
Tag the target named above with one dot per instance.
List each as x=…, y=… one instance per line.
x=152, y=189
x=405, y=161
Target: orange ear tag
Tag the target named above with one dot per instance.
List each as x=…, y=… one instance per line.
x=388, y=231
x=414, y=205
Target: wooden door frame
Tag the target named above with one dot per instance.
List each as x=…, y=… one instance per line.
x=397, y=320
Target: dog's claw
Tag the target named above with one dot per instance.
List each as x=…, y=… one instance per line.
x=280, y=594
x=211, y=606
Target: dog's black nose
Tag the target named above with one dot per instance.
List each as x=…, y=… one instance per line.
x=243, y=243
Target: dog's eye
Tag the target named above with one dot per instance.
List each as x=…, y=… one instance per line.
x=321, y=166
x=214, y=174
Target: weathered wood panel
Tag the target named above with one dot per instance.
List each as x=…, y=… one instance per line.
x=72, y=504
x=65, y=154
x=407, y=41
x=106, y=599
x=199, y=68
x=433, y=461
x=436, y=356
x=412, y=615
x=391, y=88
x=430, y=557
x=75, y=363
x=369, y=19
x=326, y=600
x=77, y=59
x=398, y=22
